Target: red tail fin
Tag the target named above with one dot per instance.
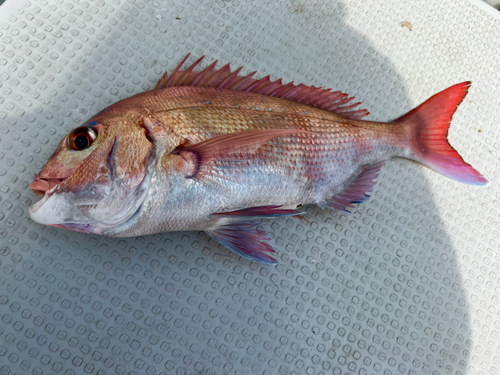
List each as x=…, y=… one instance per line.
x=428, y=128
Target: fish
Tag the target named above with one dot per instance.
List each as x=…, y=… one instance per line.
x=214, y=151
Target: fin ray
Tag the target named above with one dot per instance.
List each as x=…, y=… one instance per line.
x=201, y=154
x=427, y=128
x=356, y=192
x=245, y=239
x=333, y=101
x=261, y=211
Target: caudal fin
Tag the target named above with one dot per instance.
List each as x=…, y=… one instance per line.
x=428, y=125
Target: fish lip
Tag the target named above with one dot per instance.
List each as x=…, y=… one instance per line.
x=105, y=228
x=41, y=186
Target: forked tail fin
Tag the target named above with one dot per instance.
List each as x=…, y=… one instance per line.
x=427, y=127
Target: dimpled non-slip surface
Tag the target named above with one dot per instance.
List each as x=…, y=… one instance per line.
x=406, y=284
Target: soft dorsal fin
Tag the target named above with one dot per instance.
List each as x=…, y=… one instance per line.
x=327, y=100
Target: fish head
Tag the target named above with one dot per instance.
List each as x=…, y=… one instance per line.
x=97, y=177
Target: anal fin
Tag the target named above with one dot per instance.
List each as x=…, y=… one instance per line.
x=357, y=191
x=245, y=239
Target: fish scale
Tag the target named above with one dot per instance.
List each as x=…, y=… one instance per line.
x=323, y=158
x=213, y=151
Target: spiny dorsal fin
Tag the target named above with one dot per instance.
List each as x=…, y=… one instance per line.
x=223, y=78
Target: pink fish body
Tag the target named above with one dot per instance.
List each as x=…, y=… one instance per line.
x=212, y=151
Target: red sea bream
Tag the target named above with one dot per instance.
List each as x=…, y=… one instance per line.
x=213, y=151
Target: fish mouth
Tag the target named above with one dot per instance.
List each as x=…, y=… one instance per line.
x=60, y=210
x=41, y=186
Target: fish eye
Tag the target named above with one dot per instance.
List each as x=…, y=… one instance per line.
x=82, y=138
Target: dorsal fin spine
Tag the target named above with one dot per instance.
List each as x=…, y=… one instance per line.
x=174, y=73
x=226, y=69
x=230, y=78
x=275, y=86
x=246, y=81
x=223, y=78
x=283, y=90
x=197, y=81
x=188, y=82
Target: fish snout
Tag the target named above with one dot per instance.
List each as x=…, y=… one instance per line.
x=40, y=186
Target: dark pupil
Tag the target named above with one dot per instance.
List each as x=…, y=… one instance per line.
x=81, y=142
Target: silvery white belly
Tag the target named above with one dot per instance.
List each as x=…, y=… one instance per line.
x=178, y=203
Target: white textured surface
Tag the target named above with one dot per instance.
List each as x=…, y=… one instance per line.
x=493, y=3
x=408, y=284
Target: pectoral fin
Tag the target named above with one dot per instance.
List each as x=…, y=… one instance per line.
x=202, y=154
